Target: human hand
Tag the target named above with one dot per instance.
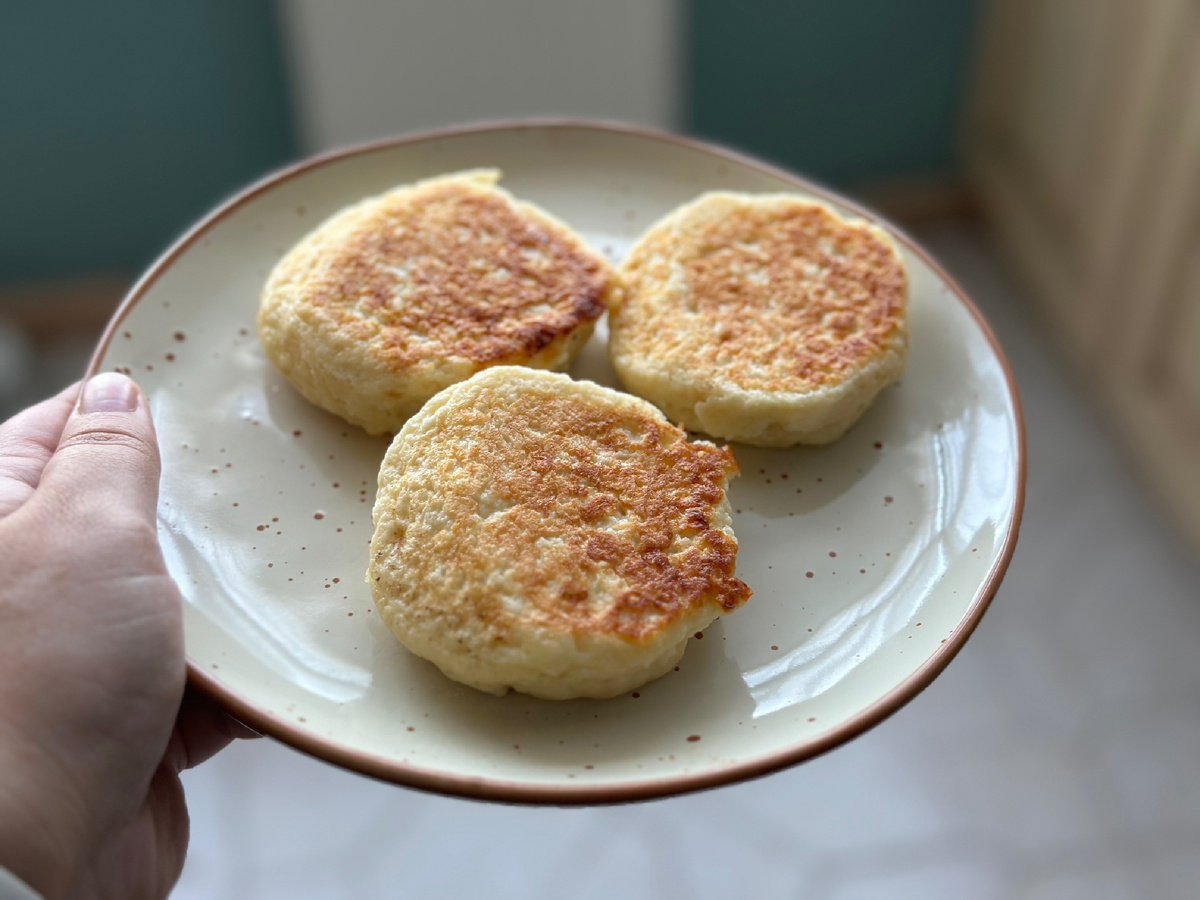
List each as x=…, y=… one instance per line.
x=95, y=726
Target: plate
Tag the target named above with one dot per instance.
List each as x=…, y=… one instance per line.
x=871, y=560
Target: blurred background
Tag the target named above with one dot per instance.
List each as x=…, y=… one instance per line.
x=1046, y=151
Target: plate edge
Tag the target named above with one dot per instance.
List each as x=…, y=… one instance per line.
x=469, y=787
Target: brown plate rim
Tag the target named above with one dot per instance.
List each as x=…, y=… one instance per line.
x=477, y=788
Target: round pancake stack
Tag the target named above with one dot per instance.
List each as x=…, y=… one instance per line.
x=401, y=295
x=765, y=319
x=551, y=536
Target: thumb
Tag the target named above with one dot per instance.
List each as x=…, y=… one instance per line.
x=107, y=458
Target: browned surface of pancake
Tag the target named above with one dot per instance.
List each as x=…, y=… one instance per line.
x=795, y=296
x=392, y=300
x=539, y=532
x=627, y=496
x=453, y=270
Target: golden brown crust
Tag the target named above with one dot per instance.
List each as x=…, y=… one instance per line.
x=392, y=300
x=794, y=296
x=585, y=491
x=550, y=535
x=448, y=269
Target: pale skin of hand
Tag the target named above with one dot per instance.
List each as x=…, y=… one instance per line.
x=95, y=723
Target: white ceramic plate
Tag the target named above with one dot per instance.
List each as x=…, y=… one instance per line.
x=871, y=560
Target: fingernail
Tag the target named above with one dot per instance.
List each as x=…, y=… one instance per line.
x=109, y=392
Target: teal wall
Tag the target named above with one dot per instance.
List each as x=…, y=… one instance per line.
x=123, y=120
x=845, y=91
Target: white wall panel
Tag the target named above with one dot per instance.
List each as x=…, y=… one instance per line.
x=369, y=68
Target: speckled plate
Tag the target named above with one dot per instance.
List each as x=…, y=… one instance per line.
x=871, y=560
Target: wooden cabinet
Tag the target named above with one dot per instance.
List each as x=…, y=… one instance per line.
x=1084, y=146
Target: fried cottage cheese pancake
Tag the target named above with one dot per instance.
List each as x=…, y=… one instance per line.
x=764, y=319
x=401, y=295
x=550, y=536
